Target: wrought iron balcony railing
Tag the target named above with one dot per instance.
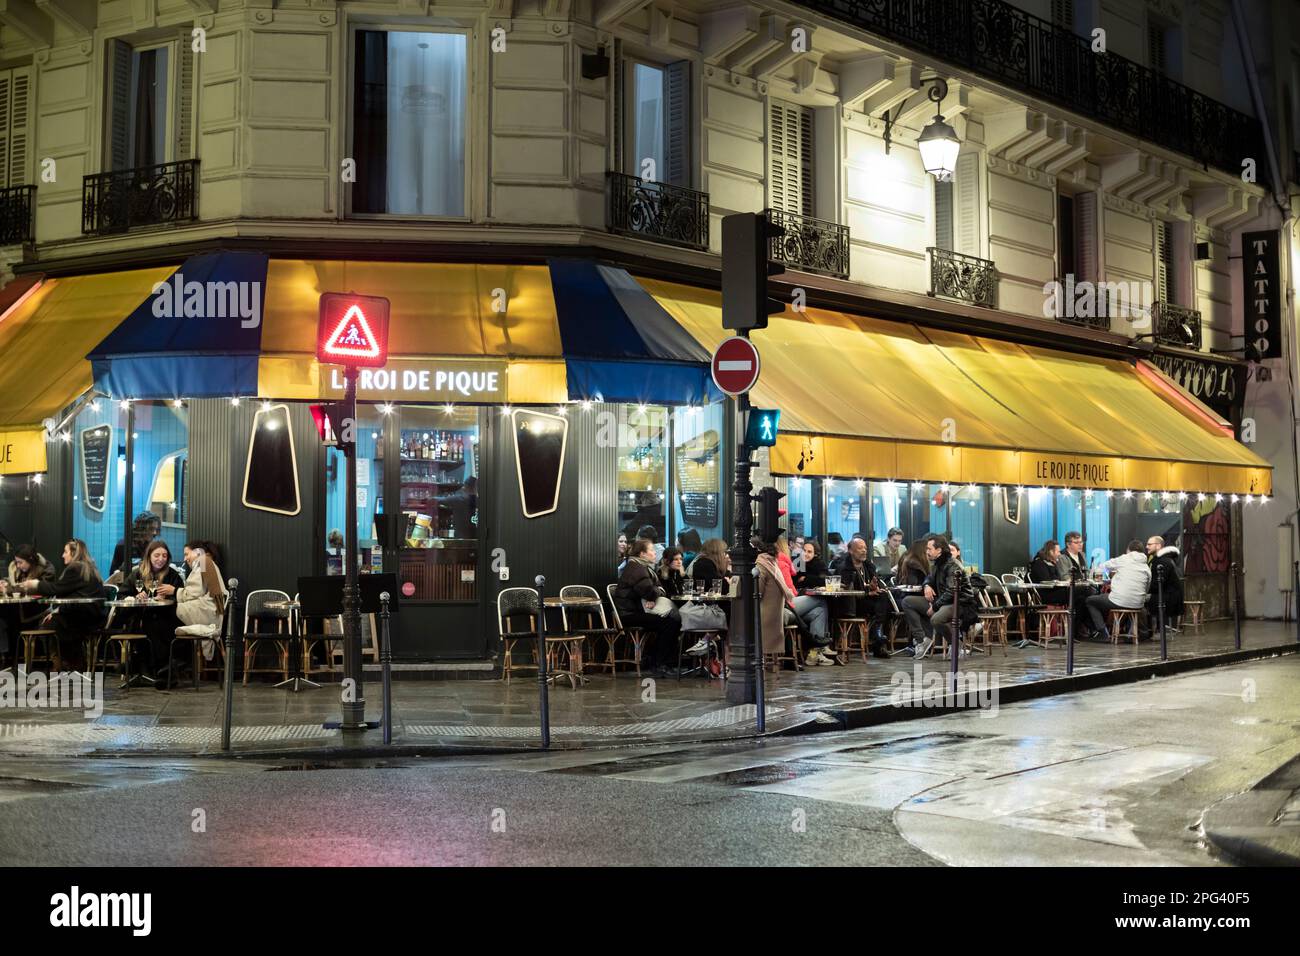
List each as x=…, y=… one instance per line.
x=648, y=210
x=147, y=196
x=1086, y=311
x=17, y=206
x=1004, y=43
x=959, y=276
x=810, y=245
x=1176, y=325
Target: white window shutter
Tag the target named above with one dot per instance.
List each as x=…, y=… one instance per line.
x=807, y=169
x=6, y=95
x=967, y=213
x=19, y=128
x=776, y=149
x=1085, y=237
x=119, y=103
x=185, y=100
x=677, y=97
x=790, y=158
x=1162, y=260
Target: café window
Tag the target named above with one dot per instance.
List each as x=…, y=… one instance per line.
x=845, y=515
x=642, y=471
x=370, y=495
x=800, y=495
x=697, y=476
x=439, y=459
x=271, y=469
x=410, y=92
x=887, y=499
x=968, y=518
x=159, y=477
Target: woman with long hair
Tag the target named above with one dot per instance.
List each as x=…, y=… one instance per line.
x=913, y=566
x=156, y=577
x=670, y=572
x=203, y=599
x=713, y=563
x=72, y=622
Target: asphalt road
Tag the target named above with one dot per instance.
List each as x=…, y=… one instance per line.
x=1119, y=776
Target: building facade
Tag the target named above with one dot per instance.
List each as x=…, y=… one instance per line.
x=1111, y=158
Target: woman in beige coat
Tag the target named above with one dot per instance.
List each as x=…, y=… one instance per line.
x=202, y=601
x=773, y=593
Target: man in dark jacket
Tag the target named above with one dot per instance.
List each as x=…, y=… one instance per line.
x=946, y=580
x=638, y=586
x=1161, y=556
x=856, y=573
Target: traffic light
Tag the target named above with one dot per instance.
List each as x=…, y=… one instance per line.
x=746, y=265
x=329, y=424
x=763, y=426
x=769, y=515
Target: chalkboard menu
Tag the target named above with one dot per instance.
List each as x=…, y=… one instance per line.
x=96, y=445
x=697, y=479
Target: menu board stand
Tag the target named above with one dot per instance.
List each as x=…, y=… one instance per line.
x=96, y=444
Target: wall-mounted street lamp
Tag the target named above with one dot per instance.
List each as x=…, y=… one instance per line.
x=938, y=142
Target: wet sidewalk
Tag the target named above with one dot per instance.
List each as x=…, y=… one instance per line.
x=435, y=715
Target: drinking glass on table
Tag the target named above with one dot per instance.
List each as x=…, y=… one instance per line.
x=717, y=587
x=688, y=587
x=832, y=582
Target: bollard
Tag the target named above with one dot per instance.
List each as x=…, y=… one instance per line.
x=386, y=660
x=1235, y=570
x=1295, y=583
x=228, y=674
x=760, y=696
x=1069, y=625
x=1160, y=611
x=954, y=642
x=542, y=687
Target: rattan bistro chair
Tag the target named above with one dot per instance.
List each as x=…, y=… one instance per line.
x=256, y=615
x=636, y=636
x=594, y=625
x=514, y=603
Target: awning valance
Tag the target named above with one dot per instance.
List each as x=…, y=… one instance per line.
x=867, y=398
x=45, y=333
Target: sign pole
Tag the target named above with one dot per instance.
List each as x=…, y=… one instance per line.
x=741, y=686
x=353, y=701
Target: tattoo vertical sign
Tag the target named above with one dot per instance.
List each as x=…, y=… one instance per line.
x=1263, y=293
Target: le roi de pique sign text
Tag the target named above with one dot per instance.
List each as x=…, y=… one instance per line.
x=1073, y=471
x=428, y=380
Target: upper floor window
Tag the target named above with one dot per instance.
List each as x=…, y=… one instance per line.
x=1166, y=280
x=409, y=111
x=1076, y=236
x=1163, y=47
x=150, y=102
x=1063, y=14
x=791, y=162
x=956, y=208
x=656, y=128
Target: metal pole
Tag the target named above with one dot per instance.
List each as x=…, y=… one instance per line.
x=953, y=644
x=354, y=710
x=1235, y=571
x=742, y=686
x=760, y=698
x=1160, y=611
x=232, y=618
x=543, y=688
x=1295, y=584
x=386, y=659
x=1069, y=625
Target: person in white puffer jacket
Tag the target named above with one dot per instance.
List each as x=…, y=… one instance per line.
x=1129, y=582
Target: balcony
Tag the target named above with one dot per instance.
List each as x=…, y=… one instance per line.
x=17, y=204
x=673, y=215
x=1086, y=311
x=1175, y=325
x=1003, y=43
x=148, y=196
x=810, y=245
x=968, y=278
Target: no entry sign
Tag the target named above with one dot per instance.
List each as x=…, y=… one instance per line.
x=735, y=366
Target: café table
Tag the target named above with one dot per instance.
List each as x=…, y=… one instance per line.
x=703, y=598
x=297, y=670
x=574, y=641
x=132, y=604
x=14, y=621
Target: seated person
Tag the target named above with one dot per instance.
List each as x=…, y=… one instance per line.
x=892, y=547
x=1130, y=580
x=635, y=597
x=1166, y=556
x=670, y=570
x=948, y=591
x=28, y=564
x=155, y=575
x=857, y=573
x=804, y=611
x=79, y=579
x=814, y=571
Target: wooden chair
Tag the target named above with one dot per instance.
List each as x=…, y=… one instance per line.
x=513, y=603
x=126, y=642
x=636, y=636
x=1017, y=611
x=257, y=614
x=46, y=638
x=595, y=626
x=793, y=649
x=1053, y=625
x=994, y=620
x=845, y=627
x=1116, y=618
x=1193, y=614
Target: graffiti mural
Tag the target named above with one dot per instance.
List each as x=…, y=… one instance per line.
x=1206, y=537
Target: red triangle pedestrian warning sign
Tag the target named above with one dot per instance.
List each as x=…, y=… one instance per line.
x=353, y=336
x=353, y=330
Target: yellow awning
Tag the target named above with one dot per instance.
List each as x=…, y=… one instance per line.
x=867, y=398
x=44, y=339
x=458, y=330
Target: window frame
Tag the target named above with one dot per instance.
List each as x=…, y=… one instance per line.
x=183, y=453
x=173, y=108
x=627, y=161
x=349, y=114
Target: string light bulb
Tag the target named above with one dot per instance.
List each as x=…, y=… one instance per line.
x=386, y=408
x=234, y=402
x=1128, y=493
x=586, y=405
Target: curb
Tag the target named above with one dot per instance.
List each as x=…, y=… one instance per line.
x=1244, y=825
